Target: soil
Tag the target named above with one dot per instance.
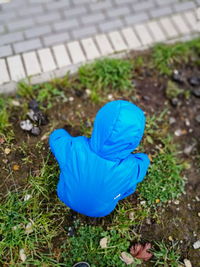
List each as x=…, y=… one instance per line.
x=179, y=221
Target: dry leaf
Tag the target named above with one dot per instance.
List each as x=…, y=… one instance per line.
x=187, y=263
x=141, y=252
x=127, y=258
x=22, y=255
x=16, y=167
x=104, y=242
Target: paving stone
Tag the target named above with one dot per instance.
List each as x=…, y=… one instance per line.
x=180, y=24
x=136, y=18
x=117, y=41
x=2, y=29
x=77, y=2
x=163, y=11
x=93, y=18
x=31, y=62
x=191, y=20
x=104, y=44
x=4, y=76
x=66, y=25
x=5, y=51
x=77, y=11
x=156, y=31
x=49, y=17
x=84, y=32
x=76, y=52
x=131, y=38
x=117, y=12
x=27, y=45
x=143, y=34
x=24, y=11
x=142, y=5
x=164, y=2
x=37, y=31
x=56, y=38
x=184, y=6
x=90, y=49
x=7, y=16
x=120, y=2
x=61, y=56
x=20, y=24
x=110, y=25
x=46, y=59
x=11, y=38
x=16, y=68
x=57, y=5
x=168, y=27
x=100, y=5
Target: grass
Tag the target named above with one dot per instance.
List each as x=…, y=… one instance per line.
x=106, y=74
x=166, y=57
x=5, y=126
x=166, y=255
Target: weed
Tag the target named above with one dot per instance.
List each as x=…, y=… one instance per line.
x=166, y=56
x=173, y=91
x=106, y=74
x=164, y=180
x=85, y=246
x=5, y=130
x=166, y=255
x=25, y=90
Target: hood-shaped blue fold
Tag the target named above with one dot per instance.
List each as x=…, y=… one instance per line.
x=118, y=130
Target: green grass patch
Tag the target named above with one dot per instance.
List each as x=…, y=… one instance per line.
x=166, y=56
x=106, y=74
x=5, y=126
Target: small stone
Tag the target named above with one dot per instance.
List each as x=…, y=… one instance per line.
x=110, y=97
x=127, y=258
x=71, y=99
x=88, y=92
x=38, y=117
x=104, y=242
x=172, y=120
x=170, y=238
x=197, y=118
x=198, y=214
x=7, y=150
x=33, y=104
x=78, y=92
x=26, y=125
x=148, y=221
x=178, y=132
x=187, y=122
x=143, y=202
x=177, y=76
x=196, y=245
x=15, y=103
x=29, y=228
x=188, y=149
x=196, y=92
x=197, y=198
x=71, y=231
x=187, y=263
x=146, y=98
x=176, y=202
x=27, y=197
x=175, y=102
x=35, y=131
x=22, y=255
x=194, y=81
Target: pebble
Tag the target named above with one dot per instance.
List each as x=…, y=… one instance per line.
x=26, y=125
x=110, y=97
x=188, y=149
x=27, y=197
x=196, y=245
x=88, y=92
x=143, y=202
x=15, y=103
x=177, y=76
x=29, y=228
x=178, y=132
x=146, y=98
x=187, y=263
x=197, y=118
x=198, y=214
x=187, y=122
x=35, y=131
x=172, y=120
x=197, y=198
x=71, y=99
x=38, y=117
x=70, y=231
x=176, y=202
x=148, y=221
x=175, y=102
x=196, y=92
x=194, y=81
x=7, y=150
x=170, y=238
x=22, y=255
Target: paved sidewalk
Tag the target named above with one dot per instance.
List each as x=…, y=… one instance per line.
x=44, y=36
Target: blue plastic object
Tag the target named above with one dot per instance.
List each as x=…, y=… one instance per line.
x=99, y=171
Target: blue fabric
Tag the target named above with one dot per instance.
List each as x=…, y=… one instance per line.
x=99, y=171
